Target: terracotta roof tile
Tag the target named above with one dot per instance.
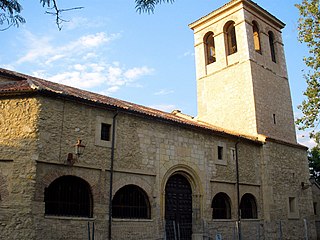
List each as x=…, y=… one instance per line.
x=21, y=83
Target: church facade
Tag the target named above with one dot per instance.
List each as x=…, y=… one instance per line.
x=78, y=165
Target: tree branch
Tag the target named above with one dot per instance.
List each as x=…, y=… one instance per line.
x=57, y=12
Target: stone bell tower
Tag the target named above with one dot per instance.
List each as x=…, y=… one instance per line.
x=242, y=81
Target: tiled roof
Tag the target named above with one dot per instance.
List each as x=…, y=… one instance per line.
x=20, y=83
x=230, y=3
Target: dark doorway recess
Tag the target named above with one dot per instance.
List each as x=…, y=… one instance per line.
x=178, y=208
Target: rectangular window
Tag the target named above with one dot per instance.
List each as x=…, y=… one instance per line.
x=233, y=154
x=315, y=208
x=292, y=204
x=105, y=131
x=274, y=119
x=220, y=153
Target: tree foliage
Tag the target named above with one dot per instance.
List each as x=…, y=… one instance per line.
x=10, y=14
x=309, y=33
x=148, y=6
x=314, y=162
x=10, y=11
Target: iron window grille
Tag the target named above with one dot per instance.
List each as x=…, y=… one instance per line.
x=68, y=196
x=131, y=202
x=221, y=206
x=248, y=207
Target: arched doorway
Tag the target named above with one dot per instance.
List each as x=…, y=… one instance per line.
x=178, y=208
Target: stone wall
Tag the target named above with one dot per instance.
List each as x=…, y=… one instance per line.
x=18, y=153
x=245, y=84
x=285, y=168
x=40, y=132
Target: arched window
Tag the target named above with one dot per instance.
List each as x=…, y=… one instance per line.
x=68, y=196
x=256, y=37
x=221, y=206
x=231, y=40
x=272, y=47
x=130, y=202
x=248, y=207
x=210, y=48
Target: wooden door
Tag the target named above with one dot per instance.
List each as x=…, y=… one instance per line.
x=178, y=208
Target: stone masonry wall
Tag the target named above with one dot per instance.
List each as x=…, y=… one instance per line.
x=147, y=153
x=18, y=155
x=40, y=132
x=286, y=201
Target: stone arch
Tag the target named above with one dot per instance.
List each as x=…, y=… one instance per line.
x=139, y=182
x=221, y=206
x=187, y=172
x=209, y=47
x=52, y=175
x=195, y=182
x=272, y=46
x=69, y=195
x=229, y=30
x=256, y=36
x=133, y=180
x=131, y=202
x=249, y=206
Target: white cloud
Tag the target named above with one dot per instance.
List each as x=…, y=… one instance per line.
x=92, y=40
x=80, y=63
x=81, y=22
x=304, y=139
x=110, y=90
x=136, y=72
x=188, y=54
x=54, y=58
x=108, y=78
x=37, y=47
x=9, y=66
x=42, y=50
x=164, y=107
x=303, y=135
x=164, y=92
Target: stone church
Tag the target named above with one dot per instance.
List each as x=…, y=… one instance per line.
x=78, y=165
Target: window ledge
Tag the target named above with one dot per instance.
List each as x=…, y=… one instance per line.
x=223, y=220
x=234, y=220
x=250, y=219
x=70, y=218
x=131, y=220
x=221, y=162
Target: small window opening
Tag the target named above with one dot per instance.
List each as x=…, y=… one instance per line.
x=221, y=206
x=231, y=39
x=274, y=119
x=315, y=208
x=233, y=154
x=248, y=207
x=220, y=153
x=210, y=48
x=256, y=37
x=68, y=196
x=131, y=202
x=105, y=131
x=292, y=204
x=272, y=46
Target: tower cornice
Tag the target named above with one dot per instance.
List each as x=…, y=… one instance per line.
x=245, y=4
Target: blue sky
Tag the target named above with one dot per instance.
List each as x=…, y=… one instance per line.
x=109, y=48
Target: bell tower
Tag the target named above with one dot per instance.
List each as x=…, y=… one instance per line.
x=242, y=80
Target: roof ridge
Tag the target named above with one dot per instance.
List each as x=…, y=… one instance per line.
x=35, y=84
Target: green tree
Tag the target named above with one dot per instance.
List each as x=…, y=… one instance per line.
x=10, y=11
x=314, y=162
x=309, y=33
x=10, y=14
